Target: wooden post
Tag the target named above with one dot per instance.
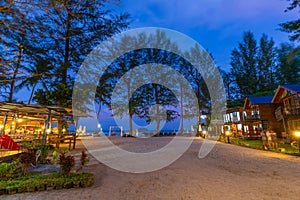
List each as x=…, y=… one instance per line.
x=4, y=123
x=47, y=127
x=284, y=126
x=74, y=140
x=76, y=119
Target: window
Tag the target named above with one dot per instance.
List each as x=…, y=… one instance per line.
x=265, y=125
x=244, y=115
x=226, y=118
x=239, y=126
x=296, y=125
x=246, y=129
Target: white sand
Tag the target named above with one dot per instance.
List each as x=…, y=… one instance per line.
x=228, y=172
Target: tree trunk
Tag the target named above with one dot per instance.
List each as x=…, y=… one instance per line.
x=16, y=71
x=157, y=110
x=98, y=114
x=181, y=111
x=65, y=65
x=129, y=108
x=32, y=92
x=200, y=108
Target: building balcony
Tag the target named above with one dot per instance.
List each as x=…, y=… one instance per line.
x=254, y=117
x=294, y=111
x=234, y=120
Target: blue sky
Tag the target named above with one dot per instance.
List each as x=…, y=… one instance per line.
x=218, y=25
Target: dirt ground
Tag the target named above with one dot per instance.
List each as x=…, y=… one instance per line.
x=228, y=172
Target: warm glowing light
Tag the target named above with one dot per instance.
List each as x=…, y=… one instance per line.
x=297, y=133
x=227, y=133
x=48, y=130
x=204, y=132
x=63, y=130
x=1, y=126
x=20, y=120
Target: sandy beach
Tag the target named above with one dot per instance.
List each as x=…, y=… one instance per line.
x=228, y=172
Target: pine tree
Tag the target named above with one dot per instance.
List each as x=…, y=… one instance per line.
x=266, y=64
x=289, y=69
x=244, y=65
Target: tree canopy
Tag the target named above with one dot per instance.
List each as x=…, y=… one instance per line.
x=259, y=67
x=293, y=26
x=45, y=42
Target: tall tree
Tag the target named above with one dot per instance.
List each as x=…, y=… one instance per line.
x=203, y=61
x=68, y=31
x=266, y=66
x=75, y=28
x=39, y=72
x=16, y=37
x=253, y=67
x=125, y=105
x=288, y=71
x=244, y=65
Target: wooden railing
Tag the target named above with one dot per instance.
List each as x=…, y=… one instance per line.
x=251, y=117
x=293, y=111
x=55, y=139
x=58, y=139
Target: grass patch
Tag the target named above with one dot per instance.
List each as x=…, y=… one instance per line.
x=258, y=144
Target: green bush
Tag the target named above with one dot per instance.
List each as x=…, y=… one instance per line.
x=7, y=170
x=54, y=179
x=66, y=163
x=44, y=151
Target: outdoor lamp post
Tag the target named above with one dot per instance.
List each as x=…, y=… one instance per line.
x=228, y=133
x=297, y=134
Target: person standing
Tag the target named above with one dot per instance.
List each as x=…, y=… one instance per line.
x=274, y=140
x=269, y=138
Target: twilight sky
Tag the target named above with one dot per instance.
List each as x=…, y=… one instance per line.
x=218, y=25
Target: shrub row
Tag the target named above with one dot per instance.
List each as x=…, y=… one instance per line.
x=41, y=182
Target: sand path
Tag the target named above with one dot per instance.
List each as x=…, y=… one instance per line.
x=228, y=172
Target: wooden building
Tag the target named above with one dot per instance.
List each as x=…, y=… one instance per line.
x=288, y=113
x=233, y=121
x=23, y=121
x=258, y=115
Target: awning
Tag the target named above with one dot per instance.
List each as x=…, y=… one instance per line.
x=32, y=109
